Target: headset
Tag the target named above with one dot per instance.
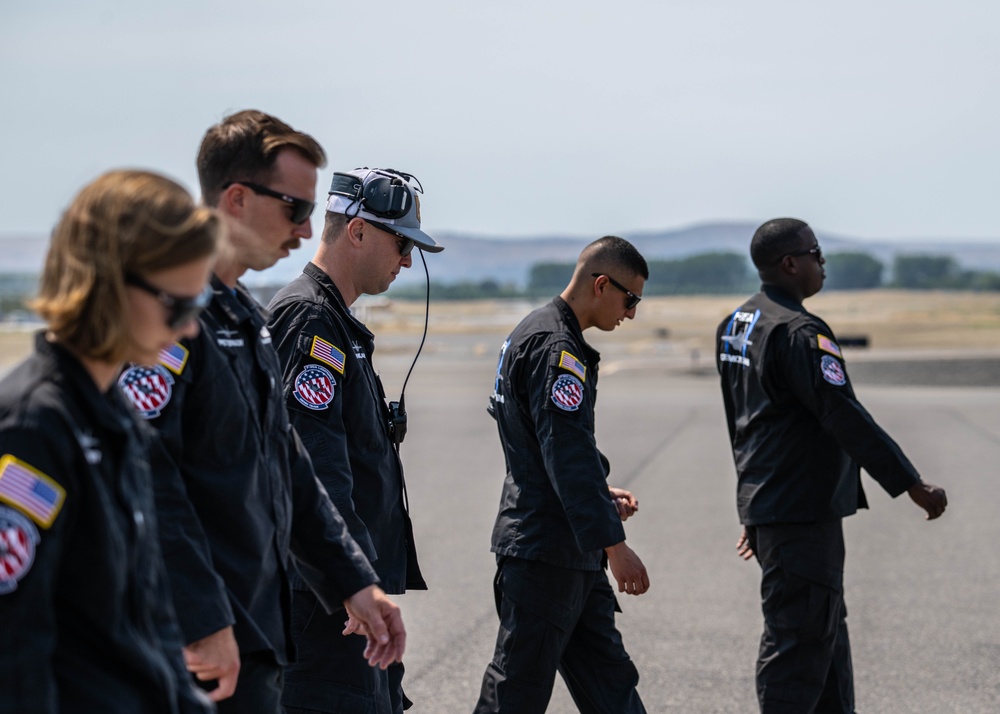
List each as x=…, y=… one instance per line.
x=386, y=196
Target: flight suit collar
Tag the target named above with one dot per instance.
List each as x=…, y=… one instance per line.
x=316, y=273
x=569, y=317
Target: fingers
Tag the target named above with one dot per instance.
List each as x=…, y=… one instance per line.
x=634, y=583
x=226, y=688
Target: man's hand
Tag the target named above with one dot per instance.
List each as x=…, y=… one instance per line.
x=743, y=548
x=929, y=497
x=627, y=569
x=625, y=502
x=215, y=657
x=372, y=614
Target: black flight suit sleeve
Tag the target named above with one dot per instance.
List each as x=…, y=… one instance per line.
x=199, y=592
x=328, y=558
x=819, y=380
x=573, y=463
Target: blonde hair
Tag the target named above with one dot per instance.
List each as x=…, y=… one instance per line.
x=123, y=222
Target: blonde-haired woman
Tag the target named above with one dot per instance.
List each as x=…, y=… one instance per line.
x=86, y=621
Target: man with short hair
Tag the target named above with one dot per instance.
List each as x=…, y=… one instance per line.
x=336, y=402
x=559, y=521
x=236, y=492
x=799, y=436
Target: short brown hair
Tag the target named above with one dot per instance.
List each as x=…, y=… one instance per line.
x=124, y=221
x=244, y=147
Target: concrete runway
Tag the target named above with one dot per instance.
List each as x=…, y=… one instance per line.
x=922, y=596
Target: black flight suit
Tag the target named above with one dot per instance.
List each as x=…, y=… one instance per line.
x=337, y=404
x=86, y=620
x=237, y=493
x=556, y=517
x=799, y=437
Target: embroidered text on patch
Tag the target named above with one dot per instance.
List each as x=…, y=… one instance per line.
x=568, y=361
x=828, y=345
x=326, y=352
x=174, y=357
x=28, y=489
x=567, y=393
x=314, y=387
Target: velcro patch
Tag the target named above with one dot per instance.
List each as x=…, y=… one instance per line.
x=568, y=361
x=18, y=539
x=833, y=371
x=148, y=388
x=314, y=387
x=828, y=345
x=29, y=490
x=326, y=352
x=174, y=357
x=567, y=393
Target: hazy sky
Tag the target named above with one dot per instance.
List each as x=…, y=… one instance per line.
x=873, y=119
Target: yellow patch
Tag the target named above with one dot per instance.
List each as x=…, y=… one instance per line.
x=828, y=345
x=570, y=362
x=30, y=491
x=175, y=357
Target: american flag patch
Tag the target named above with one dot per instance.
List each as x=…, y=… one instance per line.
x=174, y=357
x=29, y=490
x=828, y=345
x=326, y=352
x=568, y=361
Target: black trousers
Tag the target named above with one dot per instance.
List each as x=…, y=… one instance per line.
x=557, y=619
x=330, y=675
x=804, y=664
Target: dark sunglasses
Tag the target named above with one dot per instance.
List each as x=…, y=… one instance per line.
x=404, y=244
x=301, y=208
x=632, y=299
x=815, y=250
x=181, y=310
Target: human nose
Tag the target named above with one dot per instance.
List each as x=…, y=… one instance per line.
x=407, y=260
x=190, y=328
x=303, y=231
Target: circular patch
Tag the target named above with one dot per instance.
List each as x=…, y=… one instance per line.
x=314, y=387
x=18, y=538
x=567, y=393
x=148, y=388
x=833, y=371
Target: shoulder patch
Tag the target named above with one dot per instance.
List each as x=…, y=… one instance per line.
x=148, y=388
x=570, y=362
x=174, y=357
x=828, y=345
x=18, y=539
x=314, y=387
x=29, y=490
x=567, y=393
x=327, y=353
x=833, y=371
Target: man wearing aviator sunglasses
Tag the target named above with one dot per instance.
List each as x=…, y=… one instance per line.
x=558, y=516
x=372, y=225
x=232, y=471
x=799, y=438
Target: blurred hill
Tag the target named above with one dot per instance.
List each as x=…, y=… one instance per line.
x=470, y=257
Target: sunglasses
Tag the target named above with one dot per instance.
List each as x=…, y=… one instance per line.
x=404, y=244
x=301, y=208
x=815, y=250
x=180, y=310
x=631, y=301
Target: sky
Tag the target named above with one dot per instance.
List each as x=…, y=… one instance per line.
x=869, y=119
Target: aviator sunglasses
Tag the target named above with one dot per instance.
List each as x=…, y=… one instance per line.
x=181, y=310
x=404, y=244
x=301, y=208
x=631, y=301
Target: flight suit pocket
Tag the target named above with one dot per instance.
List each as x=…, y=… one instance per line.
x=811, y=600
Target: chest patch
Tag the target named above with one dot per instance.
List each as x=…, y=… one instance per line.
x=314, y=387
x=174, y=357
x=570, y=362
x=567, y=392
x=18, y=538
x=148, y=388
x=833, y=371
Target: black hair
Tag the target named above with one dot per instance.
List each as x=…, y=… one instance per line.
x=774, y=239
x=614, y=252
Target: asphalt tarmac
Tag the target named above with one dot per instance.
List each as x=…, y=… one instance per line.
x=922, y=596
